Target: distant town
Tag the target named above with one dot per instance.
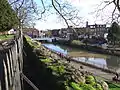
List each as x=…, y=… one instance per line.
x=97, y=33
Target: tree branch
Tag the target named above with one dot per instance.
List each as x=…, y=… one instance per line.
x=113, y=13
x=59, y=13
x=14, y=2
x=116, y=2
x=44, y=9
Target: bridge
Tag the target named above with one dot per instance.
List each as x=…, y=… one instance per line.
x=44, y=39
x=48, y=39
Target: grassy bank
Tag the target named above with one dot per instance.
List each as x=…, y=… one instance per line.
x=5, y=37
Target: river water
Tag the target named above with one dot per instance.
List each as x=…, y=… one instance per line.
x=101, y=60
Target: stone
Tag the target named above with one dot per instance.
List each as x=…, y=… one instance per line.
x=105, y=86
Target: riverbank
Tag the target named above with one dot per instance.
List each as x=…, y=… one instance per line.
x=73, y=51
x=87, y=54
x=49, y=71
x=88, y=47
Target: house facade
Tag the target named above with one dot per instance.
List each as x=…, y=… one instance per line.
x=96, y=29
x=55, y=33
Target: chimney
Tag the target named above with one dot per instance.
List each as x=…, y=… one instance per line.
x=87, y=24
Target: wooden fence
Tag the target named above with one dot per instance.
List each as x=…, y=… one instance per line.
x=11, y=64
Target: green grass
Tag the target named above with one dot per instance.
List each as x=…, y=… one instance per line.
x=46, y=60
x=114, y=88
x=5, y=37
x=77, y=42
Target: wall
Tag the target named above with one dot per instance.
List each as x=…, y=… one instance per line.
x=11, y=63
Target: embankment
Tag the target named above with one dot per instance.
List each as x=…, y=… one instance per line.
x=37, y=71
x=48, y=72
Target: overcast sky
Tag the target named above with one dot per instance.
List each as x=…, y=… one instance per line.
x=86, y=8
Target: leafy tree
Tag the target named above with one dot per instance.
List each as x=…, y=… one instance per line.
x=113, y=33
x=8, y=18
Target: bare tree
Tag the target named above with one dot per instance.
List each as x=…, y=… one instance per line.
x=113, y=6
x=25, y=10
x=63, y=8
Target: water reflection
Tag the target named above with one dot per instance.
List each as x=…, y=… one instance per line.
x=100, y=62
x=56, y=48
x=112, y=62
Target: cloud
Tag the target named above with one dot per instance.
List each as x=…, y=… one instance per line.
x=50, y=23
x=47, y=25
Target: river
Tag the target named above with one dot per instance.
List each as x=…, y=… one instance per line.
x=101, y=60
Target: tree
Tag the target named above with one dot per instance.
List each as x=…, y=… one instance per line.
x=8, y=18
x=113, y=33
x=62, y=8
x=26, y=11
x=111, y=6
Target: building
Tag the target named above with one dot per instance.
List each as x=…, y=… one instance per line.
x=42, y=34
x=12, y=31
x=96, y=29
x=55, y=33
x=32, y=32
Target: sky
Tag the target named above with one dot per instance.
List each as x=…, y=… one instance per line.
x=86, y=7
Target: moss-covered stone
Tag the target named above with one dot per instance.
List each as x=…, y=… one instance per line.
x=90, y=80
x=75, y=86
